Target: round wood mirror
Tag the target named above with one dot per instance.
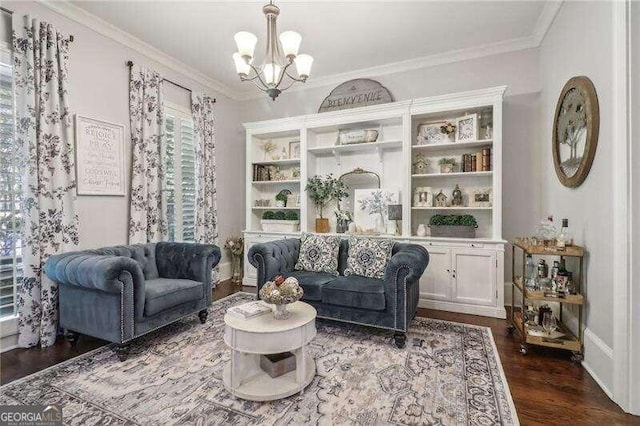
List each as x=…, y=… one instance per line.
x=576, y=126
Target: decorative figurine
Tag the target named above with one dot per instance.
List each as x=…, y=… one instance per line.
x=456, y=197
x=441, y=199
x=421, y=166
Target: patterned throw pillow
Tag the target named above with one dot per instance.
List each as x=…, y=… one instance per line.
x=368, y=257
x=318, y=253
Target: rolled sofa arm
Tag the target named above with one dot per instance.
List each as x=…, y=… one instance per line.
x=412, y=257
x=188, y=261
x=274, y=258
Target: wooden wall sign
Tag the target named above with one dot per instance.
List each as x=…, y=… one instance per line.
x=356, y=93
x=99, y=157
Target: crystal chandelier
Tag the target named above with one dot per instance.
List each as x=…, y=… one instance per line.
x=273, y=73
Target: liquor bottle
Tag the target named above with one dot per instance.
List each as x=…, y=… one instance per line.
x=530, y=273
x=565, y=238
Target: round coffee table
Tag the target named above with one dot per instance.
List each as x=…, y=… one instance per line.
x=248, y=339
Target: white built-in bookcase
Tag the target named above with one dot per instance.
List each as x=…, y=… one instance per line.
x=464, y=274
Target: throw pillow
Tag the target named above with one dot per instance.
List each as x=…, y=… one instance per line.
x=318, y=253
x=368, y=257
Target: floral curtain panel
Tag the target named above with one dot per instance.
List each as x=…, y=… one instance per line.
x=148, y=211
x=44, y=150
x=206, y=211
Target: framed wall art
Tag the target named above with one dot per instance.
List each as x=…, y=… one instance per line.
x=429, y=133
x=294, y=150
x=467, y=128
x=100, y=158
x=576, y=125
x=480, y=197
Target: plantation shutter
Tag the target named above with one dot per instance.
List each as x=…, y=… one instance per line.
x=180, y=189
x=188, y=169
x=10, y=216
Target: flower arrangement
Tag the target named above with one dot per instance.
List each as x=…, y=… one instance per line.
x=281, y=292
x=268, y=147
x=235, y=245
x=447, y=128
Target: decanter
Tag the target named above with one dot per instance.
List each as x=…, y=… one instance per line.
x=565, y=238
x=547, y=232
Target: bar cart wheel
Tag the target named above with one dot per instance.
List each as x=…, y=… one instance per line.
x=510, y=329
x=577, y=357
x=524, y=348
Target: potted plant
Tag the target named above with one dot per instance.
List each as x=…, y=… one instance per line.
x=456, y=226
x=281, y=200
x=280, y=221
x=447, y=165
x=322, y=191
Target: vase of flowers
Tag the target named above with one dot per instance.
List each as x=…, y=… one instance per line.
x=235, y=246
x=280, y=292
x=322, y=192
x=448, y=129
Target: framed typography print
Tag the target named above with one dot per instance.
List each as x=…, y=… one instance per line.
x=99, y=157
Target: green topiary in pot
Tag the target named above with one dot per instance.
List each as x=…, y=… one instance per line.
x=291, y=216
x=268, y=215
x=457, y=226
x=279, y=215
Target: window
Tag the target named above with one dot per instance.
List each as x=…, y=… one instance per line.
x=10, y=242
x=181, y=168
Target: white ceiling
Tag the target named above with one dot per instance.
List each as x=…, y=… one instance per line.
x=343, y=37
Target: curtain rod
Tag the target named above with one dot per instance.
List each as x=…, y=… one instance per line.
x=10, y=12
x=130, y=64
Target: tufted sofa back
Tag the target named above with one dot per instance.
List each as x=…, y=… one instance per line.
x=143, y=254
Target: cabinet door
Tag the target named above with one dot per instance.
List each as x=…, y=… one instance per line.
x=474, y=276
x=435, y=283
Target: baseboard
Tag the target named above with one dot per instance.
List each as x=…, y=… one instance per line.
x=224, y=271
x=485, y=311
x=598, y=361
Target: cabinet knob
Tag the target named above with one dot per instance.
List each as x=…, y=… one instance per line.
x=448, y=270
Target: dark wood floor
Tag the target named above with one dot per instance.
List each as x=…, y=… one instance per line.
x=547, y=387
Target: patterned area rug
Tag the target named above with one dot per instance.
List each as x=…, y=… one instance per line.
x=449, y=374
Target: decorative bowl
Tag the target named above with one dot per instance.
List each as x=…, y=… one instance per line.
x=280, y=292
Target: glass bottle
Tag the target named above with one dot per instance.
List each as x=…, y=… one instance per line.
x=530, y=273
x=565, y=238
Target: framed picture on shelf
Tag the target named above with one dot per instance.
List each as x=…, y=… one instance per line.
x=294, y=150
x=467, y=128
x=480, y=197
x=293, y=200
x=429, y=133
x=422, y=197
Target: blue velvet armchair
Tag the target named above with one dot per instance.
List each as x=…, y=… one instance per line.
x=120, y=293
x=389, y=303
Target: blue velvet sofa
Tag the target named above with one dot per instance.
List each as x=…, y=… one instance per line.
x=389, y=303
x=120, y=293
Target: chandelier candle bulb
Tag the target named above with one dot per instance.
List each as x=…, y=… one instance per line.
x=242, y=67
x=290, y=41
x=246, y=43
x=303, y=65
x=271, y=73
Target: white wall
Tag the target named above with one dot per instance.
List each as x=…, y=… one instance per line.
x=517, y=70
x=580, y=42
x=99, y=88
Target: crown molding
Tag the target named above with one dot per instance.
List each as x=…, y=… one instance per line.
x=454, y=56
x=99, y=25
x=545, y=20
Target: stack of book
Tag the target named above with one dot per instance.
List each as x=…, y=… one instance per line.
x=480, y=162
x=249, y=310
x=261, y=173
